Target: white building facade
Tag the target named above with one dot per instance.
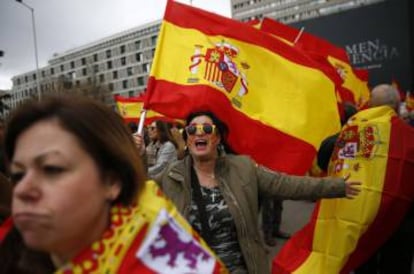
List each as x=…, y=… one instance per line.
x=289, y=11
x=120, y=63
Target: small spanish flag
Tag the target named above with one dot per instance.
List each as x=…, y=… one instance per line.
x=130, y=110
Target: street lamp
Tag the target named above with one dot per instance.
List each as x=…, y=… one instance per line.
x=35, y=47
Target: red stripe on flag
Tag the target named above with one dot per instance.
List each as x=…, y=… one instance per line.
x=305, y=41
x=295, y=252
x=202, y=97
x=182, y=16
x=131, y=264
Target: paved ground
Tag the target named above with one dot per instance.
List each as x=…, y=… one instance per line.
x=295, y=215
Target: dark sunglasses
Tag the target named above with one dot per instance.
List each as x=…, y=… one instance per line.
x=203, y=128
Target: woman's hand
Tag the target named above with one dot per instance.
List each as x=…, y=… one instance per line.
x=352, y=188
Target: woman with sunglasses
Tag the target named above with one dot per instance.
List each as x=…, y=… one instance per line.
x=218, y=193
x=162, y=148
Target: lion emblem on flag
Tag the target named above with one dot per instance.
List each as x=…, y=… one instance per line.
x=169, y=248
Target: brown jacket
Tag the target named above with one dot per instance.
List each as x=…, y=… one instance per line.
x=241, y=182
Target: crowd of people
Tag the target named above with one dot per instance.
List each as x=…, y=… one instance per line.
x=67, y=177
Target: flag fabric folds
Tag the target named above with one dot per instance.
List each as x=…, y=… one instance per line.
x=149, y=237
x=376, y=148
x=277, y=102
x=354, y=84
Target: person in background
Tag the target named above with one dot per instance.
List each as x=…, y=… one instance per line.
x=327, y=146
x=218, y=193
x=133, y=127
x=81, y=202
x=396, y=254
x=177, y=129
x=162, y=148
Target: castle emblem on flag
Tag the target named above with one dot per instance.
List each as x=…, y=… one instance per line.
x=218, y=65
x=355, y=142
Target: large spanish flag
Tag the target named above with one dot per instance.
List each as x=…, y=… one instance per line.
x=377, y=148
x=278, y=104
x=354, y=88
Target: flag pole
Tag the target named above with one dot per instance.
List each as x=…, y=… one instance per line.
x=299, y=35
x=141, y=121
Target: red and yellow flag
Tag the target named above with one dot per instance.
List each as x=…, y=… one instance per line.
x=352, y=89
x=149, y=237
x=130, y=110
x=277, y=102
x=376, y=148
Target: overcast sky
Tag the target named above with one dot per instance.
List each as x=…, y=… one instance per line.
x=65, y=24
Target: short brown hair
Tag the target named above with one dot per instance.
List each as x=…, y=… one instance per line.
x=99, y=130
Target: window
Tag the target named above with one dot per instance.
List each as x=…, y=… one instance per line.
x=95, y=57
x=138, y=44
x=101, y=78
x=111, y=86
x=108, y=53
x=146, y=67
x=138, y=56
x=52, y=71
x=95, y=68
x=77, y=83
x=25, y=79
x=123, y=61
x=83, y=60
x=84, y=72
x=62, y=67
x=129, y=71
x=72, y=64
x=153, y=40
x=115, y=74
x=130, y=93
x=109, y=64
x=122, y=49
x=125, y=84
x=43, y=73
x=140, y=81
x=34, y=76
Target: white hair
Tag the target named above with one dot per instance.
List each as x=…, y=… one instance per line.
x=385, y=95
